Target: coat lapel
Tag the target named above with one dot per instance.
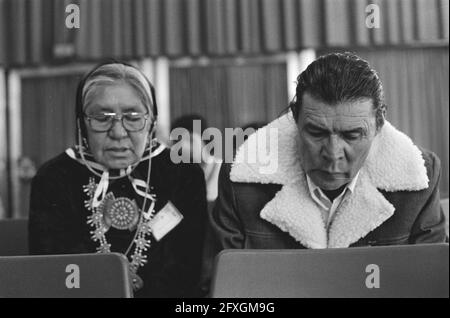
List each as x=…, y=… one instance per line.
x=361, y=213
x=293, y=212
x=394, y=164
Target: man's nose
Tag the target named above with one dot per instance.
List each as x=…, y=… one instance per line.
x=333, y=150
x=117, y=130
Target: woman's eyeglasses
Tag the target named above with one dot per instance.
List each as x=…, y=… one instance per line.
x=103, y=122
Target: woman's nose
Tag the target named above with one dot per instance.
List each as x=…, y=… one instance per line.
x=117, y=130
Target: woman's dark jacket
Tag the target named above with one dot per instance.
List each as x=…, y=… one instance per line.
x=58, y=218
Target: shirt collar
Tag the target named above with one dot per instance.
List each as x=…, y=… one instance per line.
x=313, y=187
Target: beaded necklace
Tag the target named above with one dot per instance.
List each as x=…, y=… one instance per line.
x=120, y=213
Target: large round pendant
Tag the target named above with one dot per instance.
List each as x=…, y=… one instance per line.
x=121, y=213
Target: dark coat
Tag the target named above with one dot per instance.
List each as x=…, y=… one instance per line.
x=58, y=220
x=396, y=199
x=417, y=219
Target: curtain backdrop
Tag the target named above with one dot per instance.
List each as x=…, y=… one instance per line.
x=34, y=31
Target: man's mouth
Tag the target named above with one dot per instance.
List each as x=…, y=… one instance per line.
x=332, y=175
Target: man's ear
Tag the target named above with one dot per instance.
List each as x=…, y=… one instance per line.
x=383, y=111
x=380, y=118
x=294, y=108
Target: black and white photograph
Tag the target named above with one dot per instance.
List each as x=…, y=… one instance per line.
x=224, y=155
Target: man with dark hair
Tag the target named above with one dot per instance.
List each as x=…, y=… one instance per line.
x=343, y=177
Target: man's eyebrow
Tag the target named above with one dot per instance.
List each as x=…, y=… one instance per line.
x=315, y=126
x=310, y=125
x=355, y=130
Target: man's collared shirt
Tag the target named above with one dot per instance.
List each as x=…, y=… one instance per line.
x=327, y=207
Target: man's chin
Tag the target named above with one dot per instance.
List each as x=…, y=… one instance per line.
x=331, y=185
x=327, y=181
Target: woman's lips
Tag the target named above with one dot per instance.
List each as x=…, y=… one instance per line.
x=118, y=151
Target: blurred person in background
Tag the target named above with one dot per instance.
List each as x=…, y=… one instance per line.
x=2, y=210
x=192, y=142
x=117, y=190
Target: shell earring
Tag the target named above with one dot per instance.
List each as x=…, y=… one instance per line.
x=85, y=143
x=81, y=139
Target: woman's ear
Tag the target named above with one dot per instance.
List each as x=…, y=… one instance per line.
x=152, y=127
x=82, y=141
x=151, y=133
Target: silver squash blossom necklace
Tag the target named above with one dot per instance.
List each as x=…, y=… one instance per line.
x=122, y=214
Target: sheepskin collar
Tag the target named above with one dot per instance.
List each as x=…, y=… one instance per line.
x=271, y=156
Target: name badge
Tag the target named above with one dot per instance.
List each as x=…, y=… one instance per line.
x=165, y=221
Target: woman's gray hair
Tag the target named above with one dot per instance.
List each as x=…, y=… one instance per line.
x=117, y=72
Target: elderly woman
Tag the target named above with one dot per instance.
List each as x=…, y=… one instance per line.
x=118, y=191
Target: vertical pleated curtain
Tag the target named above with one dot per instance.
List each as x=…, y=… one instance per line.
x=416, y=85
x=48, y=107
x=48, y=124
x=34, y=31
x=229, y=95
x=26, y=33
